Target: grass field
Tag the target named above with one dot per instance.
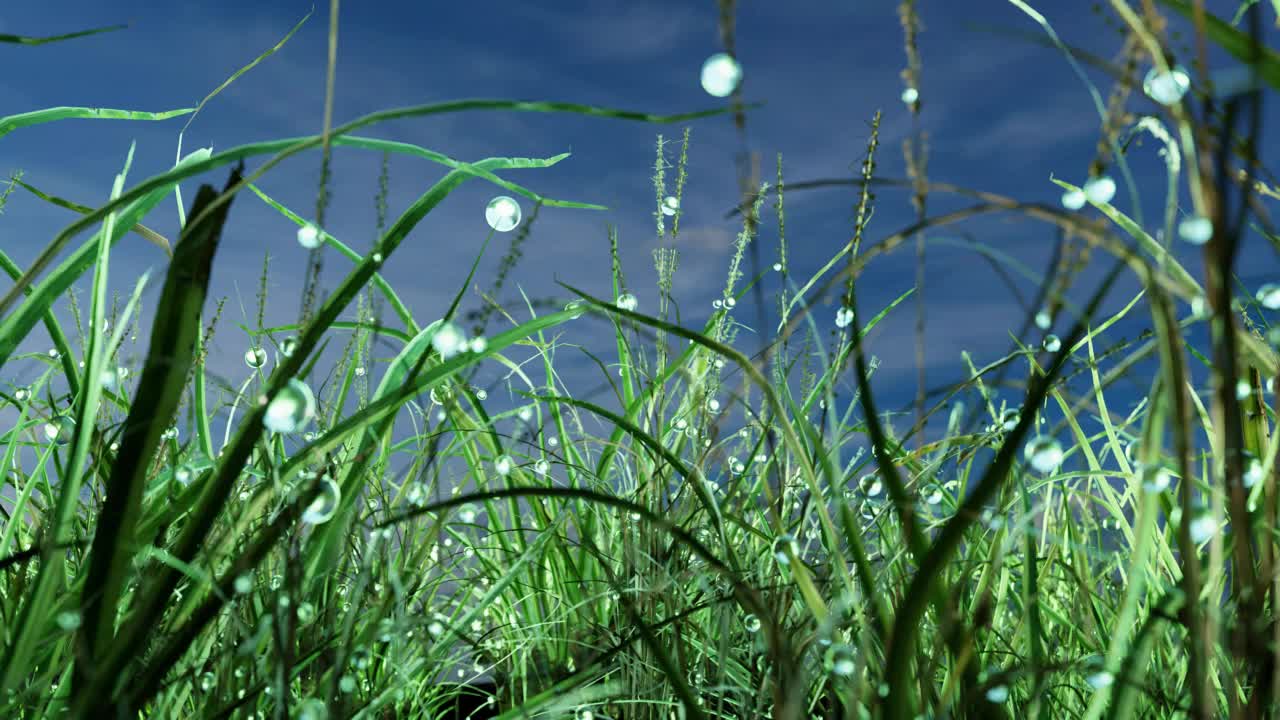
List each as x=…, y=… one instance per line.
x=744, y=542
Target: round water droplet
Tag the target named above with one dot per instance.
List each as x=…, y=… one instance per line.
x=1100, y=189
x=244, y=583
x=479, y=344
x=289, y=346
x=183, y=474
x=321, y=509
x=440, y=395
x=503, y=464
x=1044, y=453
x=502, y=213
x=1166, y=87
x=1073, y=199
x=721, y=75
x=449, y=340
x=376, y=258
x=839, y=660
x=998, y=694
x=309, y=236
x=1052, y=343
x=627, y=301
x=716, y=304
x=1100, y=680
x=1242, y=389
x=1156, y=479
x=291, y=409
x=730, y=302
x=1195, y=229
x=1203, y=527
x=255, y=357
x=21, y=394
x=777, y=267
x=1009, y=419
x=713, y=405
x=69, y=620
x=207, y=681
x=844, y=316
x=542, y=467
x=576, y=308
x=1269, y=296
x=670, y=204
x=60, y=429
x=910, y=95
x=751, y=623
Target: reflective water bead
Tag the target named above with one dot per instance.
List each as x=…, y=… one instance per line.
x=21, y=394
x=1043, y=320
x=751, y=623
x=1242, y=389
x=910, y=95
x=1052, y=343
x=321, y=509
x=503, y=464
x=839, y=660
x=1100, y=189
x=289, y=346
x=844, y=316
x=1269, y=296
x=1252, y=473
x=255, y=357
x=502, y=213
x=1100, y=680
x=1044, y=453
x=1166, y=86
x=479, y=344
x=1073, y=199
x=467, y=513
x=670, y=204
x=309, y=236
x=777, y=267
x=59, y=429
x=1203, y=526
x=576, y=308
x=291, y=408
x=69, y=620
x=1196, y=229
x=781, y=545
x=998, y=694
x=721, y=75
x=542, y=467
x=627, y=301
x=448, y=340
x=1155, y=479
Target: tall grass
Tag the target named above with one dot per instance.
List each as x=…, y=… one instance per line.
x=727, y=547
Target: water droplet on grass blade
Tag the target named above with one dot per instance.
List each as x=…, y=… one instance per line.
x=449, y=340
x=998, y=694
x=291, y=409
x=721, y=75
x=321, y=509
x=1203, y=527
x=1269, y=296
x=627, y=301
x=1100, y=189
x=502, y=213
x=844, y=316
x=309, y=236
x=1166, y=86
x=255, y=357
x=69, y=620
x=1073, y=199
x=1052, y=343
x=289, y=346
x=1196, y=229
x=670, y=204
x=839, y=660
x=751, y=623
x=60, y=429
x=910, y=95
x=503, y=464
x=1044, y=453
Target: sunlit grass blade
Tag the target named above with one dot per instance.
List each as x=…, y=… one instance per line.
x=26, y=40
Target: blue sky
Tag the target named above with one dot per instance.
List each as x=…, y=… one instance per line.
x=1003, y=114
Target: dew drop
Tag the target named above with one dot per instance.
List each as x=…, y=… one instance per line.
x=781, y=545
x=1100, y=680
x=60, y=429
x=910, y=95
x=1100, y=189
x=627, y=301
x=542, y=467
x=503, y=464
x=1043, y=320
x=449, y=340
x=1044, y=453
x=721, y=75
x=998, y=694
x=1269, y=296
x=1052, y=343
x=576, y=308
x=844, y=316
x=1203, y=526
x=1166, y=87
x=751, y=623
x=777, y=267
x=289, y=346
x=1196, y=229
x=1073, y=199
x=291, y=408
x=309, y=236
x=839, y=660
x=502, y=213
x=255, y=357
x=321, y=509
x=670, y=205
x=21, y=394
x=467, y=513
x=1155, y=479
x=69, y=620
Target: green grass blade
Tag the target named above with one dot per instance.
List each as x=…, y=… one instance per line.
x=26, y=40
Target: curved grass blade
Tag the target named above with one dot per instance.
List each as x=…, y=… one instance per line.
x=174, y=337
x=154, y=237
x=26, y=40
x=10, y=123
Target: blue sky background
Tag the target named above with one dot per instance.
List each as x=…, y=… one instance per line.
x=1002, y=114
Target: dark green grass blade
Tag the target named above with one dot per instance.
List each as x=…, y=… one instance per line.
x=172, y=352
x=26, y=40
